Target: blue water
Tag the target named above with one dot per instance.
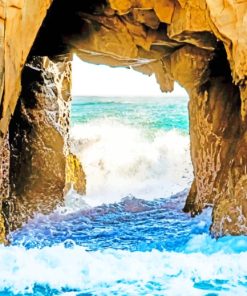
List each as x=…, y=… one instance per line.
x=128, y=235
x=132, y=224
x=158, y=113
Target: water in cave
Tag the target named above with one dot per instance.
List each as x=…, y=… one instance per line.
x=129, y=234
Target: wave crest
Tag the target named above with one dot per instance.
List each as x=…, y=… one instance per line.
x=121, y=159
x=72, y=270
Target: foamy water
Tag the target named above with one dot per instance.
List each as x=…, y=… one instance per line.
x=121, y=159
x=128, y=235
x=74, y=271
x=135, y=247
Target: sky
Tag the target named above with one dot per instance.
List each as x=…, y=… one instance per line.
x=98, y=80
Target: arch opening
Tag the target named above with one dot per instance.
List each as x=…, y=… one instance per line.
x=130, y=137
x=145, y=39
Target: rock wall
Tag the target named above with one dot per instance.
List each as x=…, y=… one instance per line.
x=75, y=176
x=16, y=39
x=202, y=44
x=4, y=181
x=39, y=140
x=19, y=23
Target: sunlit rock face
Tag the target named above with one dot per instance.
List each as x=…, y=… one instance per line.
x=19, y=22
x=75, y=176
x=4, y=180
x=38, y=138
x=201, y=44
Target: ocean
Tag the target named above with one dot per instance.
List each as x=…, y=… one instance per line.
x=128, y=235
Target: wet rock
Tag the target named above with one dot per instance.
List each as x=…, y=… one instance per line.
x=39, y=141
x=199, y=43
x=75, y=176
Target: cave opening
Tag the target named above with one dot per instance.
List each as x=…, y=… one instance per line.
x=100, y=173
x=132, y=139
x=137, y=38
x=39, y=131
x=134, y=150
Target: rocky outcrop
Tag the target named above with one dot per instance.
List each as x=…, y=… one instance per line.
x=216, y=130
x=201, y=44
x=75, y=176
x=19, y=23
x=4, y=181
x=38, y=137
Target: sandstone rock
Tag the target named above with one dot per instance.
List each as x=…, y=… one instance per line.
x=39, y=144
x=75, y=176
x=190, y=24
x=4, y=168
x=4, y=181
x=201, y=44
x=106, y=35
x=229, y=23
x=146, y=17
x=164, y=10
x=2, y=230
x=16, y=39
x=123, y=7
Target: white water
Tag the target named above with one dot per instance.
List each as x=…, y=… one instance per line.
x=127, y=273
x=150, y=164
x=121, y=160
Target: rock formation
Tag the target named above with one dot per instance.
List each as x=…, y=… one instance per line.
x=202, y=44
x=40, y=162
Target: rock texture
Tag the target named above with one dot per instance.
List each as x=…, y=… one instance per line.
x=202, y=44
x=39, y=143
x=4, y=181
x=19, y=22
x=75, y=176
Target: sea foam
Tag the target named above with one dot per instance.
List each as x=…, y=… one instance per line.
x=60, y=270
x=121, y=160
x=132, y=247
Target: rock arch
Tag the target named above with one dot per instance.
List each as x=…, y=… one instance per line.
x=199, y=43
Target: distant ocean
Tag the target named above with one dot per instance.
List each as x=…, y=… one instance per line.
x=137, y=146
x=128, y=235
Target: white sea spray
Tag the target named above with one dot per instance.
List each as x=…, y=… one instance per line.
x=121, y=160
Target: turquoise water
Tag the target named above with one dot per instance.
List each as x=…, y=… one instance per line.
x=128, y=235
x=155, y=113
